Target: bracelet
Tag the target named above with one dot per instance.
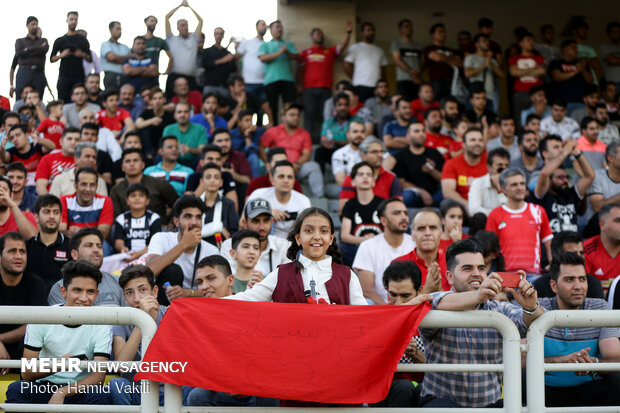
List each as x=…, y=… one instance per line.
x=532, y=312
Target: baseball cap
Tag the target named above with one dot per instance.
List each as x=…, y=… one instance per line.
x=256, y=207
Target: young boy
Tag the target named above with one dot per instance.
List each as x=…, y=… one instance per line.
x=51, y=127
x=245, y=251
x=134, y=228
x=113, y=117
x=221, y=215
x=23, y=151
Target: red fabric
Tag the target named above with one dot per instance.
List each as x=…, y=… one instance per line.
x=383, y=186
x=317, y=353
x=293, y=144
x=264, y=182
x=194, y=99
x=114, y=123
x=438, y=141
x=53, y=164
x=520, y=234
x=418, y=109
x=5, y=103
x=319, y=66
x=599, y=263
x=290, y=288
x=441, y=260
x=11, y=224
x=525, y=83
x=52, y=130
x=463, y=173
x=445, y=243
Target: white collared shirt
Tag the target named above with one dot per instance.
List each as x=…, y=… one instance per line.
x=319, y=271
x=274, y=255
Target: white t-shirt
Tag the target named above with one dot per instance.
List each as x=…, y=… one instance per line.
x=252, y=69
x=344, y=159
x=184, y=52
x=162, y=242
x=375, y=255
x=274, y=255
x=106, y=142
x=296, y=203
x=367, y=60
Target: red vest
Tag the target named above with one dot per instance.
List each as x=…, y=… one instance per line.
x=290, y=288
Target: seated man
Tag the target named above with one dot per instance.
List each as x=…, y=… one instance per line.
x=349, y=155
x=233, y=161
x=209, y=118
x=559, y=123
x=85, y=156
x=23, y=151
x=485, y=193
x=191, y=136
x=113, y=117
x=220, y=219
x=579, y=345
x=102, y=137
x=169, y=168
x=424, y=102
x=172, y=256
x=213, y=154
x=471, y=289
x=602, y=252
x=11, y=217
x=18, y=176
x=274, y=155
x=245, y=138
x=80, y=282
x=87, y=245
x=57, y=162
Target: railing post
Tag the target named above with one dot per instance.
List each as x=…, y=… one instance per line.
x=173, y=398
x=535, y=367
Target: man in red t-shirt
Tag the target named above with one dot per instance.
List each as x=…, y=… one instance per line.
x=23, y=151
x=315, y=77
x=274, y=155
x=520, y=226
x=11, y=217
x=458, y=172
x=528, y=70
x=602, y=252
x=433, y=121
x=57, y=162
x=424, y=102
x=114, y=118
x=51, y=127
x=298, y=146
x=183, y=94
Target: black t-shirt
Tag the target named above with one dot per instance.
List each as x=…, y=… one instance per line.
x=104, y=162
x=570, y=89
x=71, y=66
x=561, y=209
x=543, y=287
x=216, y=75
x=47, y=261
x=194, y=180
x=364, y=218
x=117, y=172
x=155, y=132
x=409, y=167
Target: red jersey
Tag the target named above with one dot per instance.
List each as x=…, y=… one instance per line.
x=418, y=109
x=520, y=234
x=30, y=160
x=386, y=186
x=599, y=263
x=463, y=173
x=264, y=182
x=438, y=141
x=194, y=99
x=445, y=243
x=11, y=224
x=525, y=83
x=52, y=130
x=441, y=260
x=53, y=164
x=319, y=66
x=114, y=123
x=455, y=146
x=293, y=144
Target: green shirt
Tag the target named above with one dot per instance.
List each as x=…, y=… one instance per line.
x=194, y=136
x=336, y=131
x=278, y=69
x=239, y=286
x=154, y=45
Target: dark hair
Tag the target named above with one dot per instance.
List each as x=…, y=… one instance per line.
x=53, y=104
x=107, y=93
x=497, y=153
x=46, y=200
x=559, y=102
x=217, y=131
x=211, y=95
x=545, y=27
x=523, y=34
x=20, y=126
x=274, y=151
x=562, y=237
x=402, y=270
x=471, y=129
x=524, y=132
x=138, y=38
x=279, y=164
x=468, y=245
x=215, y=261
x=167, y=138
x=209, y=165
x=12, y=235
x=435, y=26
x=566, y=258
x=610, y=26
x=606, y=209
x=129, y=151
x=332, y=250
x=480, y=36
x=403, y=21
x=446, y=205
x=358, y=165
x=240, y=235
x=9, y=115
x=428, y=111
x=244, y=112
x=187, y=201
x=137, y=187
x=340, y=95
x=450, y=99
x=6, y=180
x=490, y=245
x=17, y=166
x=363, y=26
x=587, y=120
x=485, y=22
x=76, y=239
x=542, y=145
x=136, y=271
x=112, y=24
x=70, y=129
x=79, y=268
x=475, y=88
x=536, y=89
x=530, y=117
x=89, y=126
x=383, y=205
x=567, y=43
x=85, y=170
x=211, y=148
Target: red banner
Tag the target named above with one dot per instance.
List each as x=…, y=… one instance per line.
x=318, y=353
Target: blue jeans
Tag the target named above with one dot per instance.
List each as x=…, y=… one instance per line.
x=413, y=200
x=204, y=397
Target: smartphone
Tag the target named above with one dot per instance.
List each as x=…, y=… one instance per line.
x=510, y=279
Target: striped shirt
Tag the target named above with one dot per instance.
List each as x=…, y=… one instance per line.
x=99, y=212
x=177, y=176
x=136, y=233
x=468, y=346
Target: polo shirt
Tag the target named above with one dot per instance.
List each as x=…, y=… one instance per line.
x=116, y=48
x=100, y=212
x=177, y=176
x=293, y=144
x=599, y=263
x=594, y=152
x=194, y=136
x=336, y=131
x=441, y=260
x=278, y=69
x=318, y=62
x=386, y=186
x=47, y=261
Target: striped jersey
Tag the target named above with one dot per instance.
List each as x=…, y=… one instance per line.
x=99, y=212
x=136, y=233
x=177, y=176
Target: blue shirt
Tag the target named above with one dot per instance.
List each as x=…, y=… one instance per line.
x=526, y=112
x=177, y=176
x=28, y=201
x=199, y=119
x=238, y=140
x=395, y=129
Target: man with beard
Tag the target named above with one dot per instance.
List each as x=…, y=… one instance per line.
x=440, y=60
x=408, y=58
x=529, y=161
x=379, y=105
x=169, y=168
x=93, y=89
x=590, y=98
x=539, y=106
x=233, y=161
x=30, y=53
x=608, y=133
x=71, y=49
x=173, y=256
x=507, y=138
x=450, y=112
x=365, y=63
x=154, y=45
x=11, y=217
x=258, y=217
x=458, y=172
x=418, y=169
x=17, y=287
x=520, y=226
x=71, y=111
x=434, y=138
x=87, y=245
x=602, y=252
x=347, y=156
x=395, y=131
x=375, y=254
x=191, y=136
x=49, y=246
x=554, y=193
x=112, y=55
x=589, y=144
